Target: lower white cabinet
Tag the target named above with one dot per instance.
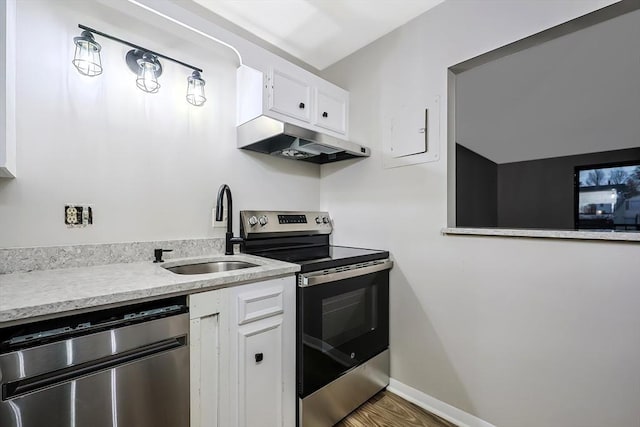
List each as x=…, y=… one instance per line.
x=259, y=395
x=244, y=374
x=204, y=355
x=262, y=354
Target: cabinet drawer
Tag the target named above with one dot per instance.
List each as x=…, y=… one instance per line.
x=290, y=96
x=331, y=112
x=260, y=304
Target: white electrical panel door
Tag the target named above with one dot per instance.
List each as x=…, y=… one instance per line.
x=408, y=133
x=289, y=96
x=411, y=134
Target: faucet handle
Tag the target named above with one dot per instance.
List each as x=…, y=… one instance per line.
x=157, y=253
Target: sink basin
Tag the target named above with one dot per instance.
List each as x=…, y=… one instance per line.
x=209, y=267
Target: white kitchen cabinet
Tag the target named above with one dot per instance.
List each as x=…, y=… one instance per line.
x=289, y=96
x=206, y=331
x=260, y=382
x=261, y=354
x=331, y=111
x=295, y=96
x=7, y=89
x=242, y=352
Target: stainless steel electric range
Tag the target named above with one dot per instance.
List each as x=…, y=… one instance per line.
x=342, y=311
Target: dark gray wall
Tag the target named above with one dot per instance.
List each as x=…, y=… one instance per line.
x=476, y=189
x=539, y=193
x=536, y=194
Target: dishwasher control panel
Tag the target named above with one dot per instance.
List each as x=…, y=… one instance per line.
x=36, y=333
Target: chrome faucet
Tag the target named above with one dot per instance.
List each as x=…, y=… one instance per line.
x=229, y=240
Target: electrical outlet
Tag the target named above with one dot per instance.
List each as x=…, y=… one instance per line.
x=218, y=224
x=78, y=215
x=71, y=215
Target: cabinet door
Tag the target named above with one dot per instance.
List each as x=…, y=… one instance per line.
x=8, y=89
x=260, y=374
x=204, y=355
x=331, y=112
x=289, y=96
x=261, y=359
x=204, y=371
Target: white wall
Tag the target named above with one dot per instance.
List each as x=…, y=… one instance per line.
x=150, y=165
x=519, y=332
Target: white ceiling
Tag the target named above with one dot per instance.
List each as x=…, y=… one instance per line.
x=319, y=32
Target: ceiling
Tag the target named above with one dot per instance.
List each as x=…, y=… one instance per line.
x=318, y=32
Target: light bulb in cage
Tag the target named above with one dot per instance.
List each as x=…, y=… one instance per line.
x=87, y=55
x=147, y=68
x=195, y=89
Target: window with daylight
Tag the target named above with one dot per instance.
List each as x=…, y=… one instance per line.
x=607, y=197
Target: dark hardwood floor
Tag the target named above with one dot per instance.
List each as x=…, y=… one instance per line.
x=386, y=409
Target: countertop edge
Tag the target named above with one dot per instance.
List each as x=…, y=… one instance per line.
x=610, y=236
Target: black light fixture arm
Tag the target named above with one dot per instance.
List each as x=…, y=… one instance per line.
x=159, y=55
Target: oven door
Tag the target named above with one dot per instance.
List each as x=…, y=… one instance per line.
x=343, y=320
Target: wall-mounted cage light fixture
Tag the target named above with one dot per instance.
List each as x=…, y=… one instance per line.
x=87, y=56
x=147, y=68
x=195, y=89
x=143, y=62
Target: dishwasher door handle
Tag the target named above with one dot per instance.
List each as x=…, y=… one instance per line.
x=27, y=385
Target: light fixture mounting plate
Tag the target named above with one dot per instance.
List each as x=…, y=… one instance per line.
x=132, y=61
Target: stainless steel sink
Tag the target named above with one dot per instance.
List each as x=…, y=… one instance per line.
x=209, y=267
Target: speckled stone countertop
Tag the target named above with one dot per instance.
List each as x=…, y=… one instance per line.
x=47, y=293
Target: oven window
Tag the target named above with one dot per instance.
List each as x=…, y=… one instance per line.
x=340, y=325
x=348, y=316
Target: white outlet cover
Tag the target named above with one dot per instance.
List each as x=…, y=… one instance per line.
x=218, y=224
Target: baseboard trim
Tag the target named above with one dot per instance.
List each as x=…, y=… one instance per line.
x=435, y=406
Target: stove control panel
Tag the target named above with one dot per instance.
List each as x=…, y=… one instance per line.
x=260, y=224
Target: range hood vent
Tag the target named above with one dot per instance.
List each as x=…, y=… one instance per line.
x=269, y=136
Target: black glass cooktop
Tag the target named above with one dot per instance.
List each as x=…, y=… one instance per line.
x=321, y=258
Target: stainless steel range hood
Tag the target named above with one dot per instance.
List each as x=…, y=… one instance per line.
x=266, y=135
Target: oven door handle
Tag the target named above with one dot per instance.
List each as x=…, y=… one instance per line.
x=312, y=279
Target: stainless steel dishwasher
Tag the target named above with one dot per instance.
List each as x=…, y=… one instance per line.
x=122, y=367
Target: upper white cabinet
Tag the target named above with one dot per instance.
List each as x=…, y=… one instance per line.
x=293, y=95
x=289, y=96
x=331, y=111
x=7, y=89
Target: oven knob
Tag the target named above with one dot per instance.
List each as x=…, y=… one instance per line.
x=325, y=220
x=253, y=220
x=263, y=220
x=318, y=220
